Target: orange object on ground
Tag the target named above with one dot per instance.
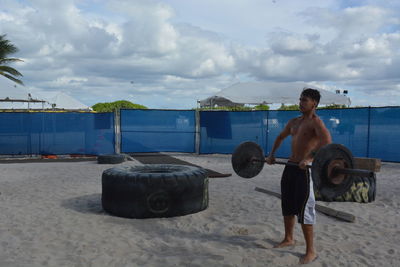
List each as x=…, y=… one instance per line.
x=49, y=157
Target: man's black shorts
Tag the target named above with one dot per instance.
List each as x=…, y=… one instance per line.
x=298, y=194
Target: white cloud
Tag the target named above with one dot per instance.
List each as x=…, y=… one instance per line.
x=167, y=49
x=370, y=47
x=292, y=44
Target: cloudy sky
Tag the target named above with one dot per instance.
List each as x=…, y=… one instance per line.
x=169, y=54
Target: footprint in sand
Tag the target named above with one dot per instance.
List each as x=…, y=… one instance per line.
x=239, y=230
x=262, y=244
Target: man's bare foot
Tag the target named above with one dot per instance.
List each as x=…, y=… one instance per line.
x=310, y=257
x=285, y=243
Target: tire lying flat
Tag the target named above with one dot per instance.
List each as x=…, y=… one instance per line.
x=111, y=159
x=154, y=190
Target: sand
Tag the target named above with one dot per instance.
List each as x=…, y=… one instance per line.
x=51, y=215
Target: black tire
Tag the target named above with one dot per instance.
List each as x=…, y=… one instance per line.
x=111, y=159
x=363, y=190
x=154, y=190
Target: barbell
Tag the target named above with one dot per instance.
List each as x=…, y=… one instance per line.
x=332, y=169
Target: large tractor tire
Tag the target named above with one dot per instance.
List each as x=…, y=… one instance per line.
x=154, y=190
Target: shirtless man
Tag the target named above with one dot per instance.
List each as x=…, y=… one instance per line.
x=308, y=135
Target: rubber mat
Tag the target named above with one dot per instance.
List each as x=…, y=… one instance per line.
x=159, y=158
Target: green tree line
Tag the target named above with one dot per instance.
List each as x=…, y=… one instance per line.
x=113, y=106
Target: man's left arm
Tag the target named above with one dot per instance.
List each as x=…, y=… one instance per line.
x=322, y=133
x=323, y=136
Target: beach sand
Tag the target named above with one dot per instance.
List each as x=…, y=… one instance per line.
x=51, y=215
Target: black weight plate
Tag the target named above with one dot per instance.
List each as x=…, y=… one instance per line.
x=319, y=168
x=248, y=160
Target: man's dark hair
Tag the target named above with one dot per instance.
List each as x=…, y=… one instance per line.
x=311, y=93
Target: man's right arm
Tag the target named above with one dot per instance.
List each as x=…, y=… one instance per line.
x=278, y=141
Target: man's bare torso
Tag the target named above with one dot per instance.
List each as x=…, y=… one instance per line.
x=304, y=137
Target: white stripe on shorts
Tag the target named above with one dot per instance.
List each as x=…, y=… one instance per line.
x=309, y=216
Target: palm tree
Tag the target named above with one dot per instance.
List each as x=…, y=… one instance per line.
x=6, y=48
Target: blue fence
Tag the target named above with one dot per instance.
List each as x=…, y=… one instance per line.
x=222, y=131
x=157, y=130
x=56, y=133
x=367, y=132
x=384, y=132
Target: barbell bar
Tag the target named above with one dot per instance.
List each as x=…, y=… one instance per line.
x=332, y=168
x=335, y=170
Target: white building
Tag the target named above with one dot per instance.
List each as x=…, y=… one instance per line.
x=17, y=97
x=268, y=93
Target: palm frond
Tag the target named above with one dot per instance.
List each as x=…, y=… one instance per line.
x=10, y=70
x=9, y=60
x=6, y=47
x=12, y=78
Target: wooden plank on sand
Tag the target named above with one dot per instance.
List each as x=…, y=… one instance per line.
x=341, y=215
x=367, y=164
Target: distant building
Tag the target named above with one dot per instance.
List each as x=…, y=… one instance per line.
x=17, y=97
x=256, y=93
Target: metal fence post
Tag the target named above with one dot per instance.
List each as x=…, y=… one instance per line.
x=117, y=131
x=369, y=129
x=266, y=134
x=197, y=131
